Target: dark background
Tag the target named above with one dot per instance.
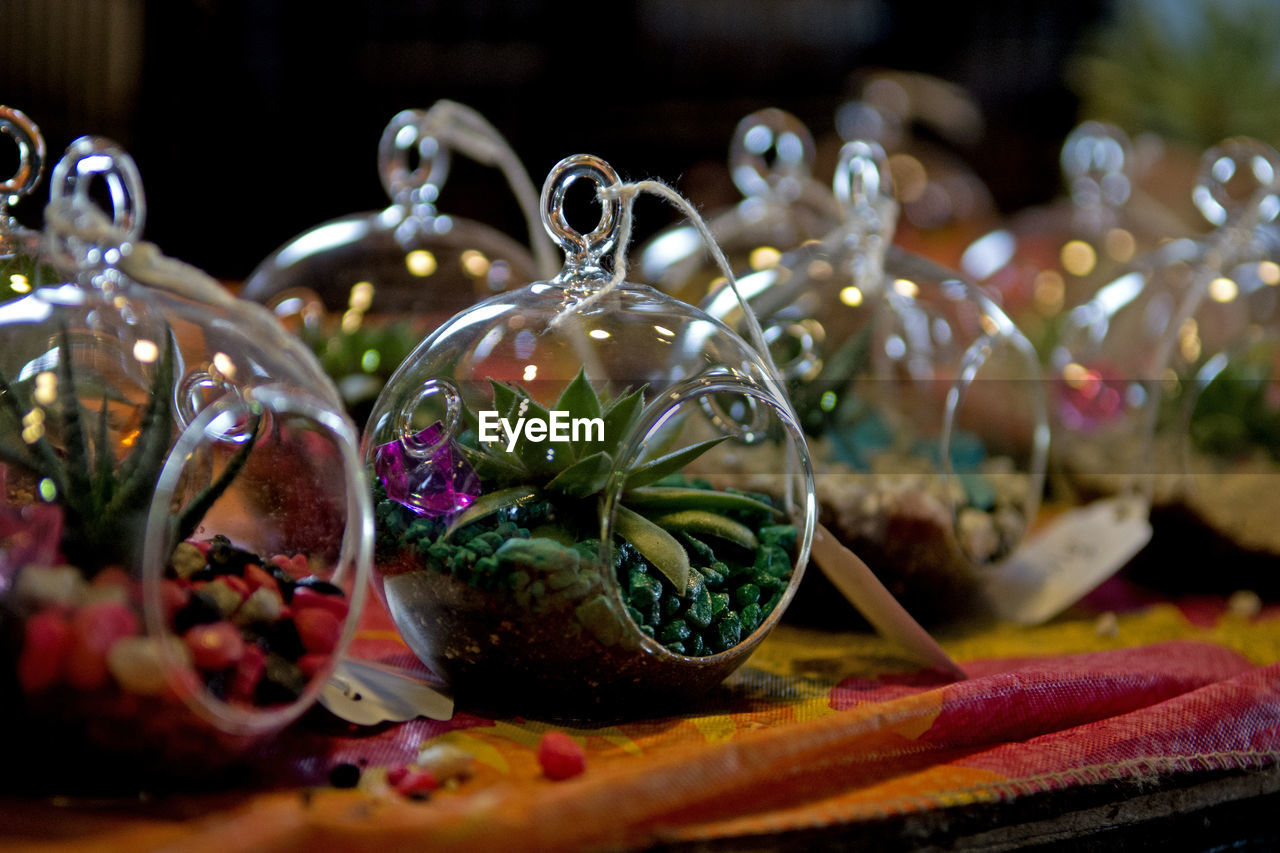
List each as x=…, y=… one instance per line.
x=252, y=120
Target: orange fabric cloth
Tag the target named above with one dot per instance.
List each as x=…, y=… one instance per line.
x=818, y=729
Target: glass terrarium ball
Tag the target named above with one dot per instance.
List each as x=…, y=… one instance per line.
x=183, y=536
x=362, y=289
x=1049, y=259
x=20, y=265
x=771, y=159
x=1165, y=385
x=1129, y=361
x=554, y=483
x=921, y=400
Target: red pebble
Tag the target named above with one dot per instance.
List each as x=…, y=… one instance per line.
x=238, y=585
x=248, y=672
x=395, y=774
x=560, y=756
x=312, y=663
x=45, y=642
x=173, y=597
x=215, y=646
x=297, y=565
x=94, y=630
x=318, y=629
x=305, y=598
x=415, y=782
x=112, y=576
x=256, y=576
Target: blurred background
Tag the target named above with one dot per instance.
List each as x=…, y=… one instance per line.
x=252, y=120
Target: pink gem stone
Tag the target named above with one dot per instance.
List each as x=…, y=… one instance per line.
x=1092, y=399
x=441, y=483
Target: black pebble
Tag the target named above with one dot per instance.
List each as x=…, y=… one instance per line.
x=282, y=682
x=281, y=637
x=219, y=683
x=284, y=580
x=200, y=609
x=205, y=574
x=226, y=559
x=344, y=775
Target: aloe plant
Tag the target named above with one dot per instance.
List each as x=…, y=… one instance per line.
x=104, y=500
x=573, y=478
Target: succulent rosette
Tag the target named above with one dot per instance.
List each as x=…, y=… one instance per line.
x=555, y=474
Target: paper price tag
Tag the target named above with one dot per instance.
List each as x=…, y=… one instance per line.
x=367, y=693
x=864, y=591
x=1060, y=565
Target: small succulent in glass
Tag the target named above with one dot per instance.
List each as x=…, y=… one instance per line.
x=103, y=503
x=662, y=516
x=363, y=289
x=162, y=597
x=555, y=474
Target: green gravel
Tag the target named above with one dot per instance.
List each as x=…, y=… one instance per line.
x=731, y=590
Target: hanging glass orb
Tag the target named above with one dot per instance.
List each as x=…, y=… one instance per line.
x=554, y=472
x=921, y=400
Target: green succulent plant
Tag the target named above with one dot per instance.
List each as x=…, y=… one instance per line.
x=573, y=478
x=104, y=501
x=824, y=402
x=361, y=360
x=1238, y=410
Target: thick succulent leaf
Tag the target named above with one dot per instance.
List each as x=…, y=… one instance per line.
x=656, y=545
x=104, y=480
x=504, y=398
x=77, y=463
x=470, y=420
x=579, y=398
x=138, y=473
x=497, y=467
x=584, y=477
x=651, y=472
x=708, y=523
x=492, y=502
x=194, y=512
x=533, y=454
x=620, y=418
x=673, y=498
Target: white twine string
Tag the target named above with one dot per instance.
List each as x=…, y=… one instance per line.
x=463, y=129
x=69, y=220
x=626, y=193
